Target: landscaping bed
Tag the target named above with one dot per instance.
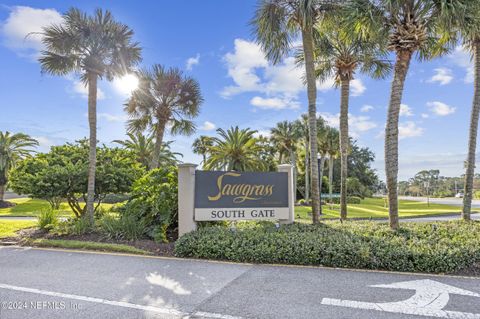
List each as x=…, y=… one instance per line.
x=442, y=247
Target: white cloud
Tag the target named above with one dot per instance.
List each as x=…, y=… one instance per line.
x=366, y=108
x=357, y=87
x=79, y=88
x=44, y=143
x=425, y=115
x=440, y=108
x=263, y=133
x=357, y=124
x=274, y=103
x=409, y=129
x=207, y=126
x=442, y=76
x=113, y=117
x=193, y=61
x=462, y=58
x=21, y=29
x=405, y=110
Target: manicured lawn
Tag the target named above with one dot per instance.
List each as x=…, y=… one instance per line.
x=33, y=207
x=88, y=245
x=375, y=208
x=9, y=227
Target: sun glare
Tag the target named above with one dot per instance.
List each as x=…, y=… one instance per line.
x=126, y=84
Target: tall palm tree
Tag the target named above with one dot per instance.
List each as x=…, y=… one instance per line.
x=302, y=128
x=93, y=47
x=285, y=136
x=277, y=23
x=201, y=146
x=469, y=26
x=332, y=151
x=235, y=149
x=410, y=26
x=340, y=54
x=164, y=97
x=143, y=147
x=13, y=147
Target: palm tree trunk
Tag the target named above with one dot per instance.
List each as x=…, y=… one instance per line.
x=391, y=134
x=472, y=139
x=2, y=193
x=92, y=156
x=307, y=39
x=158, y=144
x=344, y=141
x=330, y=177
x=307, y=175
x=293, y=161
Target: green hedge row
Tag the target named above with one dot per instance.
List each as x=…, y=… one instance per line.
x=439, y=247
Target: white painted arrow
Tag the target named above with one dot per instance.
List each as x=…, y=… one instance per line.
x=429, y=300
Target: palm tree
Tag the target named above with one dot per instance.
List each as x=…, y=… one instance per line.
x=469, y=25
x=235, y=149
x=143, y=147
x=324, y=146
x=302, y=128
x=201, y=146
x=339, y=54
x=332, y=150
x=277, y=23
x=93, y=47
x=164, y=97
x=13, y=147
x=410, y=26
x=285, y=136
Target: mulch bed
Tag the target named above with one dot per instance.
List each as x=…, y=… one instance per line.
x=5, y=204
x=158, y=249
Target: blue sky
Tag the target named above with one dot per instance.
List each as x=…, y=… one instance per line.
x=212, y=42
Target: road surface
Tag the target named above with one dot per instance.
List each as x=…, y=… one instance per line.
x=445, y=201
x=36, y=283
x=10, y=195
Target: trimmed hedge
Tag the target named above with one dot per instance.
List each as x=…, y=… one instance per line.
x=417, y=247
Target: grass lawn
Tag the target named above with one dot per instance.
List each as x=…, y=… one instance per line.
x=375, y=208
x=32, y=207
x=9, y=227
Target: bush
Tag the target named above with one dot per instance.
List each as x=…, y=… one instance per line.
x=73, y=226
x=439, y=247
x=154, y=202
x=350, y=200
x=47, y=219
x=124, y=227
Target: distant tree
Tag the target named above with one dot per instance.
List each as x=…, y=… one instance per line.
x=164, y=97
x=302, y=129
x=235, y=149
x=62, y=173
x=143, y=147
x=13, y=148
x=93, y=47
x=201, y=146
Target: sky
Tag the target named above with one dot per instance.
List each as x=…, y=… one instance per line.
x=212, y=42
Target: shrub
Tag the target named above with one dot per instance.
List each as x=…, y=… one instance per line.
x=124, y=227
x=441, y=247
x=73, y=226
x=154, y=202
x=47, y=219
x=350, y=200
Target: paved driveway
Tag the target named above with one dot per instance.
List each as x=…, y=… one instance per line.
x=37, y=283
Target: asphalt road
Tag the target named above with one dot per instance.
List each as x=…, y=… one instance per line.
x=57, y=284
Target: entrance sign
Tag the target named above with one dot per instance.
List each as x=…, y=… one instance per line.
x=430, y=299
x=241, y=195
x=215, y=195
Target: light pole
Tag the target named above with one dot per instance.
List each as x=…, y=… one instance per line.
x=319, y=159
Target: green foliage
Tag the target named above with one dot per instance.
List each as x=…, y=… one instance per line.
x=47, y=219
x=123, y=227
x=438, y=247
x=155, y=201
x=350, y=200
x=356, y=188
x=62, y=173
x=73, y=226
